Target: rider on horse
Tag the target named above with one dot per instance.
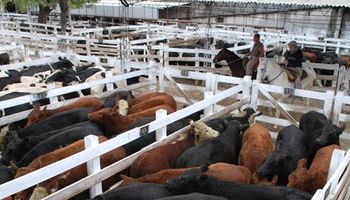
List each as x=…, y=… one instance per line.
x=293, y=60
x=255, y=54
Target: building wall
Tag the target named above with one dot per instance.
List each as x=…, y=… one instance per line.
x=320, y=22
x=345, y=28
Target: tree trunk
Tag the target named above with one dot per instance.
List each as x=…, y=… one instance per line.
x=64, y=15
x=44, y=12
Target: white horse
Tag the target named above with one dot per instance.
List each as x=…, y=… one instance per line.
x=270, y=72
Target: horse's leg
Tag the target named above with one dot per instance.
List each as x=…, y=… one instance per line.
x=278, y=111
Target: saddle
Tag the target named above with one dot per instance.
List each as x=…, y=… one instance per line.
x=245, y=62
x=291, y=73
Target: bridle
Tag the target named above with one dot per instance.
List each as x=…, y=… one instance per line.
x=279, y=74
x=234, y=61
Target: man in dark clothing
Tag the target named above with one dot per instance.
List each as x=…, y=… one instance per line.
x=293, y=60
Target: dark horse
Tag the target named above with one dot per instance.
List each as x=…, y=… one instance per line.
x=234, y=62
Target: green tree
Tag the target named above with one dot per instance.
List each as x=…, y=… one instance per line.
x=46, y=6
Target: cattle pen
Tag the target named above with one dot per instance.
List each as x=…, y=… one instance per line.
x=175, y=55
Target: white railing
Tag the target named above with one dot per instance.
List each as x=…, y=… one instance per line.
x=28, y=180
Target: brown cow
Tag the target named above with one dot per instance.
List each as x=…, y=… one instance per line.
x=71, y=176
x=159, y=158
x=221, y=171
x=256, y=146
x=153, y=102
x=38, y=115
x=48, y=159
x=144, y=97
x=113, y=123
x=316, y=177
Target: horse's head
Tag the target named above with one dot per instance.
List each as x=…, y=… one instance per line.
x=221, y=55
x=225, y=54
x=262, y=70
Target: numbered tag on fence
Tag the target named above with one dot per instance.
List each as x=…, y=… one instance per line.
x=40, y=95
x=103, y=60
x=289, y=91
x=184, y=73
x=144, y=130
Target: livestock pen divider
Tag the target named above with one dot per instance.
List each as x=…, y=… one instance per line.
x=91, y=153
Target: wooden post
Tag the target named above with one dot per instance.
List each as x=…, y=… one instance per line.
x=51, y=86
x=93, y=166
x=161, y=133
x=210, y=109
x=160, y=80
x=255, y=94
x=328, y=103
x=109, y=86
x=338, y=103
x=246, y=86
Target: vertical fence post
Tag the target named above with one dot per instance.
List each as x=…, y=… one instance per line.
x=246, y=86
x=160, y=80
x=208, y=81
x=337, y=107
x=208, y=110
x=51, y=86
x=109, y=86
x=255, y=94
x=161, y=132
x=93, y=166
x=328, y=103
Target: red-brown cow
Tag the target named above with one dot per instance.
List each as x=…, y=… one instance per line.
x=71, y=176
x=114, y=123
x=256, y=146
x=153, y=102
x=48, y=159
x=221, y=171
x=38, y=115
x=159, y=158
x=144, y=97
x=316, y=177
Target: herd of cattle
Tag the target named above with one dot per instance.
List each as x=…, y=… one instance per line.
x=34, y=79
x=224, y=158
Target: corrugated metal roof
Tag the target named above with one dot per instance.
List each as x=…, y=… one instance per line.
x=153, y=4
x=331, y=3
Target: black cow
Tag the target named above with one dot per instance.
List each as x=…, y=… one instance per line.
x=59, y=140
x=13, y=77
x=194, y=180
x=224, y=148
x=139, y=191
x=6, y=174
x=4, y=59
x=61, y=64
x=110, y=99
x=291, y=146
x=20, y=146
x=194, y=196
x=54, y=122
x=319, y=131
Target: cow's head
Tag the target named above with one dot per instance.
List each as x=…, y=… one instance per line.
x=12, y=152
x=37, y=115
x=329, y=135
x=189, y=181
x=107, y=119
x=273, y=162
x=300, y=177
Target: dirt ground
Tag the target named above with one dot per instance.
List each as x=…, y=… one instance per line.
x=197, y=95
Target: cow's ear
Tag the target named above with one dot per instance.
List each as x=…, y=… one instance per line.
x=341, y=129
x=202, y=180
x=302, y=163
